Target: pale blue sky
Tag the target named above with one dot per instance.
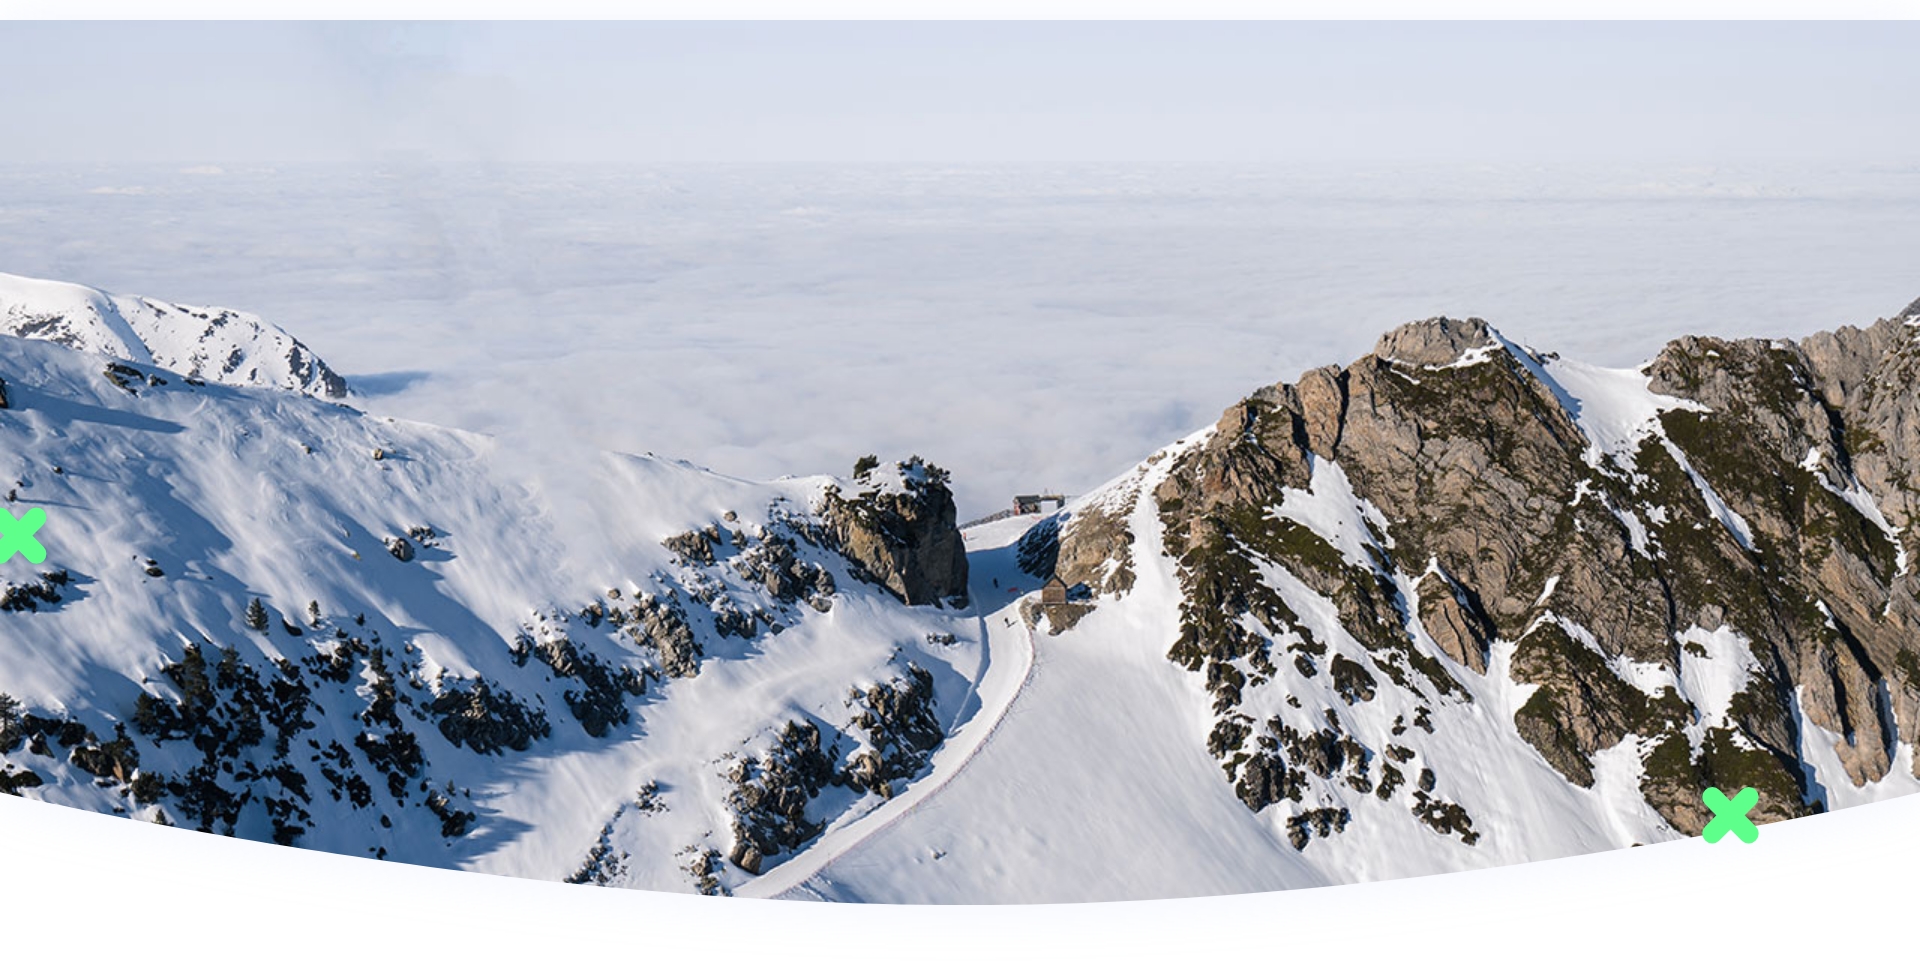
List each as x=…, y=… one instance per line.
x=1139, y=92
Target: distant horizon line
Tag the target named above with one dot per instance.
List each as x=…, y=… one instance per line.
x=206, y=166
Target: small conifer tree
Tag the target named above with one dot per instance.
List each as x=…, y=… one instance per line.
x=257, y=615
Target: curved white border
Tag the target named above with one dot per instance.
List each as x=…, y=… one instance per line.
x=81, y=886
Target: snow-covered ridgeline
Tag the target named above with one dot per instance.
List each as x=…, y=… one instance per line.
x=211, y=344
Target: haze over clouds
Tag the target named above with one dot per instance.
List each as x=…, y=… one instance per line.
x=996, y=260
x=960, y=92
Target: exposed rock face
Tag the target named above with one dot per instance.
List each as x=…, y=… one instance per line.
x=900, y=529
x=1743, y=512
x=1453, y=620
x=1435, y=342
x=1090, y=547
x=1096, y=550
x=661, y=625
x=897, y=723
x=401, y=548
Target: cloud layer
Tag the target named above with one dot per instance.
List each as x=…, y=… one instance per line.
x=1026, y=326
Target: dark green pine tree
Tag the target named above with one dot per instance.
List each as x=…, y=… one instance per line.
x=257, y=615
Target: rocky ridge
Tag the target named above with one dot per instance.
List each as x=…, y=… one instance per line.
x=1702, y=564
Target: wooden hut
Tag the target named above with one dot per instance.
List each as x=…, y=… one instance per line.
x=1054, y=591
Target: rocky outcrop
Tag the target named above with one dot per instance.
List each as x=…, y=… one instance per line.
x=770, y=795
x=896, y=722
x=894, y=732
x=1090, y=547
x=1750, y=509
x=1453, y=620
x=899, y=530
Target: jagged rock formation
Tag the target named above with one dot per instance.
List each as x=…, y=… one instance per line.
x=1707, y=558
x=900, y=528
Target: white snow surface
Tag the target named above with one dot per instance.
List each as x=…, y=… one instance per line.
x=1710, y=681
x=1819, y=747
x=65, y=867
x=1329, y=508
x=1614, y=407
x=213, y=344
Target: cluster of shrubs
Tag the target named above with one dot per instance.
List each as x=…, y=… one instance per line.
x=225, y=710
x=601, y=700
x=487, y=719
x=31, y=595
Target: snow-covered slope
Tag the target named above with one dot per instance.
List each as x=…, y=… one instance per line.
x=1113, y=738
x=623, y=672
x=209, y=344
x=1459, y=605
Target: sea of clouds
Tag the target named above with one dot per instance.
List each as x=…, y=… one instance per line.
x=1027, y=327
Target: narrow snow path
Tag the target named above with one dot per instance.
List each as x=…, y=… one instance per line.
x=1007, y=648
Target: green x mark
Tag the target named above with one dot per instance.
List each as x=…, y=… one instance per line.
x=16, y=535
x=1730, y=816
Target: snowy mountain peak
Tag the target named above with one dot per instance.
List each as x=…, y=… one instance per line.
x=213, y=344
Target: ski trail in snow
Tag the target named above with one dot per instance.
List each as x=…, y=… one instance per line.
x=999, y=688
